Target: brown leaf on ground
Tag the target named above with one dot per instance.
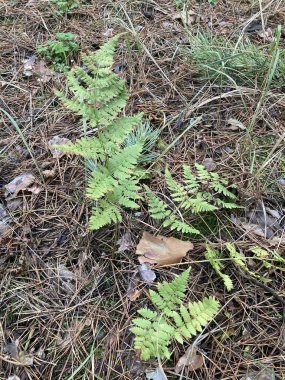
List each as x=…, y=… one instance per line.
x=13, y=377
x=19, y=183
x=49, y=173
x=43, y=73
x=133, y=293
x=162, y=250
x=125, y=242
x=57, y=140
x=235, y=125
x=29, y=65
x=209, y=164
x=190, y=359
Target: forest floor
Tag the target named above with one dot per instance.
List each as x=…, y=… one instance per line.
x=68, y=295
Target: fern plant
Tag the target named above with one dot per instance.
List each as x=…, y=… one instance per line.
x=154, y=330
x=99, y=96
x=201, y=191
x=269, y=259
x=240, y=261
x=214, y=257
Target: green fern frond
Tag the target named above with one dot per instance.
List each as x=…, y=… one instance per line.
x=160, y=210
x=100, y=183
x=105, y=213
x=191, y=196
x=240, y=261
x=98, y=95
x=202, y=173
x=192, y=184
x=154, y=332
x=269, y=259
x=122, y=165
x=226, y=205
x=104, y=57
x=176, y=224
x=170, y=293
x=198, y=205
x=237, y=257
x=157, y=208
x=178, y=192
x=213, y=256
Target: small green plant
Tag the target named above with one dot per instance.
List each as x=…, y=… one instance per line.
x=120, y=143
x=172, y=320
x=202, y=191
x=269, y=259
x=65, y=6
x=214, y=256
x=58, y=51
x=236, y=62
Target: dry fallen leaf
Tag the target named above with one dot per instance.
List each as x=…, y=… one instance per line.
x=35, y=189
x=13, y=377
x=190, y=359
x=43, y=73
x=158, y=374
x=29, y=65
x=267, y=35
x=161, y=250
x=125, y=242
x=235, y=125
x=57, y=140
x=133, y=293
x=49, y=173
x=21, y=182
x=209, y=164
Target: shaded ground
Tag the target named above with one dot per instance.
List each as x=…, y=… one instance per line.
x=64, y=290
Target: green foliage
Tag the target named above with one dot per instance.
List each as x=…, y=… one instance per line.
x=113, y=153
x=98, y=94
x=58, y=51
x=269, y=259
x=201, y=191
x=239, y=62
x=173, y=319
x=239, y=260
x=214, y=257
x=144, y=133
x=65, y=6
x=160, y=210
